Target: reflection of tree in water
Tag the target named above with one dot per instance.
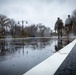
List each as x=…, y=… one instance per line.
x=11, y=46
x=44, y=42
x=2, y=47
x=37, y=43
x=7, y=47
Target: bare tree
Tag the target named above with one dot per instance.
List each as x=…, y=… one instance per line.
x=4, y=24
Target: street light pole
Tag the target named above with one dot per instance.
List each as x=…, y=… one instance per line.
x=22, y=23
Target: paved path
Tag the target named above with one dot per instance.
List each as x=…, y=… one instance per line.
x=68, y=67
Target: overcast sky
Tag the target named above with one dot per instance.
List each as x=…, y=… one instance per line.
x=37, y=11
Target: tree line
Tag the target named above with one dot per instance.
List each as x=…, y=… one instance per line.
x=15, y=29
x=11, y=27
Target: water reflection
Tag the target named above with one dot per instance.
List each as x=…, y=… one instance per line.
x=37, y=43
x=58, y=46
x=9, y=45
x=61, y=43
x=2, y=47
x=17, y=56
x=12, y=45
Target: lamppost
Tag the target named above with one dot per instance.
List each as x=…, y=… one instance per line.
x=22, y=23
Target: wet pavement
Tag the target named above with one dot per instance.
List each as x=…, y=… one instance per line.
x=17, y=56
x=68, y=67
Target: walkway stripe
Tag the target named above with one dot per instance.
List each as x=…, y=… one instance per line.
x=51, y=64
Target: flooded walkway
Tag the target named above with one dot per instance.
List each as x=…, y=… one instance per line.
x=17, y=56
x=54, y=64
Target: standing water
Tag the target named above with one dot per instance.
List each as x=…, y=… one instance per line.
x=17, y=56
